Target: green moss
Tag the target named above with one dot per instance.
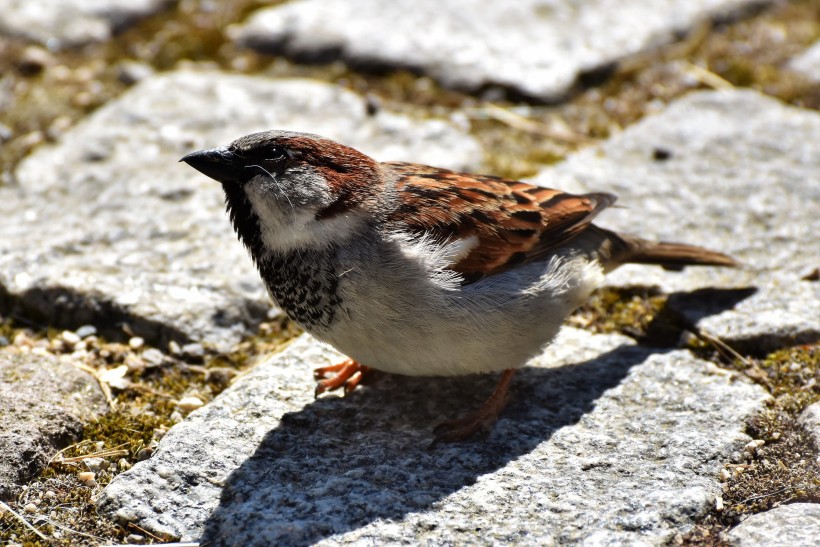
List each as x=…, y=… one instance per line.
x=795, y=376
x=144, y=411
x=785, y=468
x=639, y=312
x=127, y=428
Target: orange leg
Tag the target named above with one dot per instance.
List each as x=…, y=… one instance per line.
x=349, y=374
x=481, y=420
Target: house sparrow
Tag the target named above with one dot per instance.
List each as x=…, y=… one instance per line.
x=416, y=270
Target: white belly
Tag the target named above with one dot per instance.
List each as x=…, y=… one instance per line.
x=398, y=320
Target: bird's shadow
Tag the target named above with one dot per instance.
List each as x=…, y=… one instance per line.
x=341, y=463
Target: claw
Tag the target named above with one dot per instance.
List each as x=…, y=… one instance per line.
x=482, y=419
x=349, y=374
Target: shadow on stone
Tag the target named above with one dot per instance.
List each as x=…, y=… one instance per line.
x=64, y=308
x=682, y=311
x=342, y=463
x=695, y=305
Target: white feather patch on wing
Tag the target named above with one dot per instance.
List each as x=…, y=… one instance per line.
x=435, y=256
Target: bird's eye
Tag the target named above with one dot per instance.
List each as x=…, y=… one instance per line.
x=276, y=154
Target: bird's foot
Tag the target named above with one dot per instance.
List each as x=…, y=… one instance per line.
x=482, y=419
x=349, y=374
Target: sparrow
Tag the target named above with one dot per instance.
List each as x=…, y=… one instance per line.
x=416, y=270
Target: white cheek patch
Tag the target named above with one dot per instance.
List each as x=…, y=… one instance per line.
x=285, y=227
x=334, y=230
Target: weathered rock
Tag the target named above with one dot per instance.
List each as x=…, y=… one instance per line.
x=66, y=23
x=795, y=525
x=106, y=227
x=603, y=441
x=43, y=403
x=734, y=171
x=810, y=421
x=537, y=48
x=808, y=63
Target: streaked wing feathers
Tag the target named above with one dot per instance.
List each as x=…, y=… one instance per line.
x=514, y=222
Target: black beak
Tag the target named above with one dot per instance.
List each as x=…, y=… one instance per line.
x=220, y=164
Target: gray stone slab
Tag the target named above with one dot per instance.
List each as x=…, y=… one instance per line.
x=809, y=420
x=795, y=525
x=107, y=227
x=66, y=23
x=808, y=63
x=43, y=404
x=742, y=176
x=537, y=48
x=603, y=442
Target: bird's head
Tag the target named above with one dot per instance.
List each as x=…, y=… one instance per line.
x=292, y=190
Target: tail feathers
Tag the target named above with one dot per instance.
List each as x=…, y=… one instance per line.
x=675, y=256
x=614, y=249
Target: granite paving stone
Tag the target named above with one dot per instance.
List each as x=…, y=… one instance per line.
x=66, y=23
x=735, y=171
x=538, y=48
x=43, y=403
x=808, y=63
x=795, y=525
x=809, y=420
x=603, y=442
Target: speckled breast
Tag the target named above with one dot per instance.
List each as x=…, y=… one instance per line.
x=305, y=285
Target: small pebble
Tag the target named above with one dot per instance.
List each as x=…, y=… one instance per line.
x=130, y=72
x=86, y=330
x=21, y=339
x=30, y=508
x=71, y=338
x=725, y=474
x=59, y=126
x=85, y=476
x=145, y=453
x=58, y=345
x=187, y=404
x=136, y=342
x=159, y=433
x=96, y=464
x=32, y=139
x=153, y=357
x=135, y=539
x=134, y=364
x=220, y=375
x=33, y=60
x=719, y=503
x=193, y=351
x=123, y=464
x=173, y=348
x=50, y=494
x=752, y=446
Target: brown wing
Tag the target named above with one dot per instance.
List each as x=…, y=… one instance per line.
x=514, y=222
